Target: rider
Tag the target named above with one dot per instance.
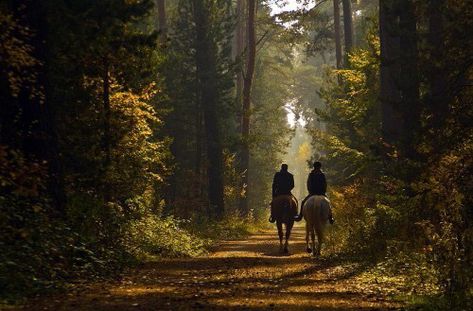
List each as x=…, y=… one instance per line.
x=316, y=185
x=283, y=183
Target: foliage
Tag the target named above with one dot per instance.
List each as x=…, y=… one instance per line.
x=65, y=208
x=16, y=56
x=352, y=115
x=446, y=189
x=163, y=237
x=410, y=215
x=38, y=251
x=232, y=226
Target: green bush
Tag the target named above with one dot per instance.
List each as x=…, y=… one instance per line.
x=164, y=237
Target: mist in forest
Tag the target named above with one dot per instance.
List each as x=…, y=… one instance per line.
x=298, y=157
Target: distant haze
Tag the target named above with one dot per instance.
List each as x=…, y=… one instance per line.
x=289, y=5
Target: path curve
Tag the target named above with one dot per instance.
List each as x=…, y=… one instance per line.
x=244, y=274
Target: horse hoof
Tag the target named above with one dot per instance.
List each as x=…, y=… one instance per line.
x=309, y=250
x=286, y=251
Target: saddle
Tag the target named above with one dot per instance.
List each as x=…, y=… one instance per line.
x=284, y=205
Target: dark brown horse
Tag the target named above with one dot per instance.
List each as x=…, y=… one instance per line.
x=284, y=209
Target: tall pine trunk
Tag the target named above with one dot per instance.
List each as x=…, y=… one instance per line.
x=208, y=100
x=198, y=153
x=338, y=41
x=389, y=72
x=161, y=22
x=247, y=83
x=106, y=137
x=239, y=47
x=409, y=77
x=348, y=28
x=437, y=79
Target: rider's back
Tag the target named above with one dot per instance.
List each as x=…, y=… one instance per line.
x=316, y=183
x=284, y=182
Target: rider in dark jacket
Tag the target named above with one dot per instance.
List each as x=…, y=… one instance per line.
x=283, y=183
x=316, y=185
x=316, y=182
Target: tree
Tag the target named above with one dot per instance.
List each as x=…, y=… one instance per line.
x=400, y=82
x=409, y=77
x=337, y=36
x=239, y=48
x=247, y=83
x=161, y=22
x=239, y=38
x=106, y=137
x=390, y=96
x=348, y=27
x=437, y=76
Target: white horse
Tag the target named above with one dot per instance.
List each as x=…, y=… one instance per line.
x=316, y=213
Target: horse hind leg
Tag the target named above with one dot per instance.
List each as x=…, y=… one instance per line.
x=288, y=235
x=280, y=234
x=320, y=240
x=307, y=232
x=312, y=236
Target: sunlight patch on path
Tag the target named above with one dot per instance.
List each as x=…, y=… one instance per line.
x=245, y=274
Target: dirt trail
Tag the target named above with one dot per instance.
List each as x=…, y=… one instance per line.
x=241, y=275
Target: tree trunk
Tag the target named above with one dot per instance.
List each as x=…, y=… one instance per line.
x=106, y=138
x=338, y=43
x=348, y=28
x=437, y=78
x=389, y=73
x=409, y=77
x=49, y=117
x=247, y=83
x=239, y=46
x=198, y=153
x=161, y=23
x=208, y=100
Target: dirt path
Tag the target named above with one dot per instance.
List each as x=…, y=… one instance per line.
x=241, y=275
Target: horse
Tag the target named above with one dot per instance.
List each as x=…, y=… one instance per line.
x=316, y=211
x=284, y=209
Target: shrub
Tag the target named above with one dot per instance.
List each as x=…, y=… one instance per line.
x=163, y=237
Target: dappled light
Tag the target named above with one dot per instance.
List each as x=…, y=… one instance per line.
x=248, y=274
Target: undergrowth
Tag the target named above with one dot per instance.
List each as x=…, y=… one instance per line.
x=403, y=257
x=57, y=256
x=152, y=236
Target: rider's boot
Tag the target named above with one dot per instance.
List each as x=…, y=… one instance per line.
x=330, y=219
x=299, y=217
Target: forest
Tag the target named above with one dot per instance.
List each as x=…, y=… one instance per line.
x=143, y=135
